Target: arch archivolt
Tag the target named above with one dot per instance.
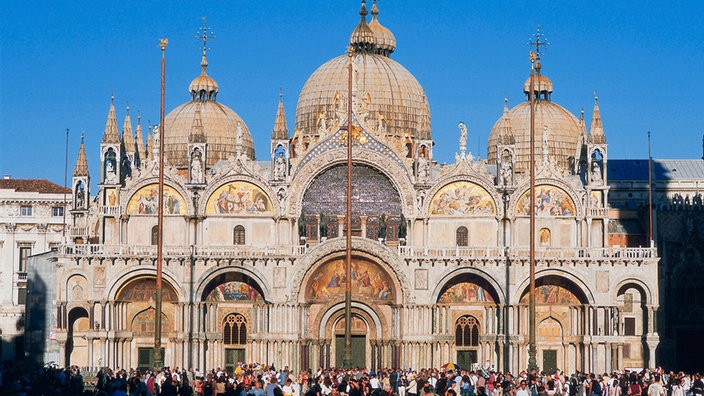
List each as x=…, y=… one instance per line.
x=214, y=185
x=134, y=188
x=126, y=276
x=479, y=181
x=577, y=281
x=454, y=273
x=398, y=176
x=634, y=283
x=334, y=311
x=577, y=197
x=206, y=278
x=361, y=247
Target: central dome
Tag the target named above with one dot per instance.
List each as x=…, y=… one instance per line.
x=394, y=94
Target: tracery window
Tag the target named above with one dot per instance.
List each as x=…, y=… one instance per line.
x=239, y=235
x=235, y=330
x=467, y=331
x=462, y=236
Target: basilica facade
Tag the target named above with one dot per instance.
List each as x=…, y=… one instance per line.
x=254, y=249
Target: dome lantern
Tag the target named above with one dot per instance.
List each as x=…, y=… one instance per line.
x=362, y=38
x=384, y=39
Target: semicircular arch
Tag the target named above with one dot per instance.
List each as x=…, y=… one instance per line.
x=462, y=196
x=126, y=276
x=476, y=276
x=212, y=279
x=398, y=176
x=562, y=281
x=238, y=195
x=556, y=199
x=635, y=283
x=145, y=192
x=361, y=247
x=333, y=311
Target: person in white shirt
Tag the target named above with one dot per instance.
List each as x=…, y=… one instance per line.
x=522, y=389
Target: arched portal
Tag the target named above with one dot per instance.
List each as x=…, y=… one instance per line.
x=76, y=345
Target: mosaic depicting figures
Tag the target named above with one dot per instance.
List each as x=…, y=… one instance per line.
x=146, y=200
x=465, y=292
x=234, y=291
x=239, y=198
x=144, y=289
x=368, y=279
x=552, y=294
x=550, y=201
x=462, y=198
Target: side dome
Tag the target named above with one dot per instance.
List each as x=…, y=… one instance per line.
x=222, y=129
x=563, y=129
x=394, y=93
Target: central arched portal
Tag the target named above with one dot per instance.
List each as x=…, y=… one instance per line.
x=374, y=293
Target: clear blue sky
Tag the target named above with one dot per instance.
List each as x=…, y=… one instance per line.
x=61, y=61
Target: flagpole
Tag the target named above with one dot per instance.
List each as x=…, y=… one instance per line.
x=347, y=359
x=158, y=359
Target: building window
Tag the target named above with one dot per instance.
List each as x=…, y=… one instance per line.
x=239, y=235
x=25, y=210
x=25, y=252
x=155, y=235
x=57, y=211
x=629, y=326
x=462, y=236
x=235, y=330
x=21, y=295
x=467, y=331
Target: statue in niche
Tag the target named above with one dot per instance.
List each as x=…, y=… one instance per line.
x=196, y=167
x=423, y=170
x=506, y=169
x=419, y=200
x=80, y=195
x=381, y=231
x=463, y=138
x=281, y=194
x=340, y=108
x=280, y=167
x=110, y=174
x=323, y=226
x=595, y=174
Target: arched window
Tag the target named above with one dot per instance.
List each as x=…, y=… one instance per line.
x=235, y=330
x=155, y=235
x=238, y=235
x=462, y=236
x=467, y=331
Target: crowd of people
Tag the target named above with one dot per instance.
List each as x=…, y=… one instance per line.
x=261, y=380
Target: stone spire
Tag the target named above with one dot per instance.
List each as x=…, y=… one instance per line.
x=150, y=146
x=596, y=130
x=111, y=134
x=141, y=150
x=506, y=136
x=81, y=168
x=197, y=135
x=127, y=136
x=280, y=131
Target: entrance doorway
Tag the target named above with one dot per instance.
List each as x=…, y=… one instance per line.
x=549, y=360
x=145, y=359
x=466, y=359
x=358, y=344
x=232, y=357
